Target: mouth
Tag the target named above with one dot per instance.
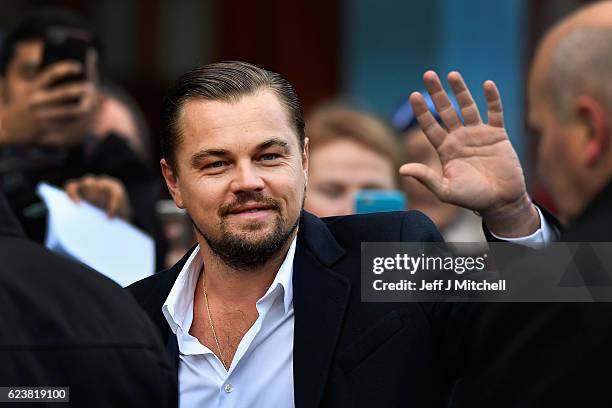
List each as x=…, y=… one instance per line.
x=251, y=212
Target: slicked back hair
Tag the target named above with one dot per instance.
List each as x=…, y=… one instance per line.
x=228, y=82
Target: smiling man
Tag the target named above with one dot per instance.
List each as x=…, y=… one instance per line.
x=265, y=311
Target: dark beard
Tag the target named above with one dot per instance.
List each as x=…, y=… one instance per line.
x=239, y=253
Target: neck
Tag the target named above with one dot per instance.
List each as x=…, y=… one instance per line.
x=238, y=286
x=588, y=191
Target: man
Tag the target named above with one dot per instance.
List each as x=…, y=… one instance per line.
x=350, y=150
x=266, y=310
x=47, y=126
x=560, y=354
x=65, y=325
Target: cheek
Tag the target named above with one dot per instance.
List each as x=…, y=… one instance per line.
x=547, y=154
x=323, y=206
x=199, y=196
x=289, y=188
x=317, y=205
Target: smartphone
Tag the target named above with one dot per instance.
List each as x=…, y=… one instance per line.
x=66, y=44
x=370, y=201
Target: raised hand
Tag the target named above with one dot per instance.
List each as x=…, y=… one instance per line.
x=480, y=169
x=41, y=116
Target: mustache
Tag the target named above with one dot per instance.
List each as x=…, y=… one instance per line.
x=249, y=197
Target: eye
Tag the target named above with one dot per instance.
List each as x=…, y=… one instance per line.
x=330, y=192
x=215, y=165
x=269, y=156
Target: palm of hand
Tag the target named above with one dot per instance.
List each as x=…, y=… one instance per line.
x=480, y=168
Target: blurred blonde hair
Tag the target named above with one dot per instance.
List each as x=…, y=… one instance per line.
x=335, y=120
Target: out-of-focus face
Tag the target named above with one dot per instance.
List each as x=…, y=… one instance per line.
x=22, y=69
x=338, y=170
x=241, y=174
x=559, y=163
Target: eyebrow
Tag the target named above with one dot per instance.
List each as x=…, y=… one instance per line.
x=271, y=143
x=202, y=155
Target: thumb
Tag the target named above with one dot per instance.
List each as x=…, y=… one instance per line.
x=429, y=178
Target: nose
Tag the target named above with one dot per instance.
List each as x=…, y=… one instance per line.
x=246, y=179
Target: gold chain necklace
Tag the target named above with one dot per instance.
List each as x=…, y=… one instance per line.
x=212, y=326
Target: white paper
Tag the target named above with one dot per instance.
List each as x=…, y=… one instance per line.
x=85, y=233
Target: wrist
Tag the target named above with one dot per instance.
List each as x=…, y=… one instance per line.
x=516, y=219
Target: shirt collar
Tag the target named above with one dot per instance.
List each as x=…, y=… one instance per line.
x=180, y=299
x=284, y=279
x=176, y=307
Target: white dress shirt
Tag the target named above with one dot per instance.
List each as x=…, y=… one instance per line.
x=261, y=373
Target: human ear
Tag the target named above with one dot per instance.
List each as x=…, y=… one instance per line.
x=594, y=117
x=172, y=181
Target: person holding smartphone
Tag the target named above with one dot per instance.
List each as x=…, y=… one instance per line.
x=49, y=99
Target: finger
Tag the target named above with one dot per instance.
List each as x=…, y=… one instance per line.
x=469, y=109
x=495, y=113
x=57, y=71
x=429, y=125
x=429, y=178
x=113, y=196
x=441, y=101
x=64, y=111
x=72, y=189
x=88, y=189
x=59, y=94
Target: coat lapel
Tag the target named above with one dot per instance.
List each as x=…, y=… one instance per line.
x=320, y=298
x=152, y=305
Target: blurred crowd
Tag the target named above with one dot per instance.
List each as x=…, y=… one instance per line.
x=66, y=123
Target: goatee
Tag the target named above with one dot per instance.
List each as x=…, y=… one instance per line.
x=238, y=252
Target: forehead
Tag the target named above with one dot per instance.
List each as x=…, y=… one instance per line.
x=243, y=122
x=351, y=161
x=27, y=52
x=539, y=73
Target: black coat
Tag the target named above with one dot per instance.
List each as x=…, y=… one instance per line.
x=346, y=352
x=543, y=354
x=63, y=324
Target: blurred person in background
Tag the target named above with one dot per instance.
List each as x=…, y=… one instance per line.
x=455, y=223
x=48, y=131
x=120, y=114
x=350, y=150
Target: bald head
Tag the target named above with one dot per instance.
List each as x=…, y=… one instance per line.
x=574, y=58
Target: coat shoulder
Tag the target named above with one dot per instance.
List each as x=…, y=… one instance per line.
x=396, y=226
